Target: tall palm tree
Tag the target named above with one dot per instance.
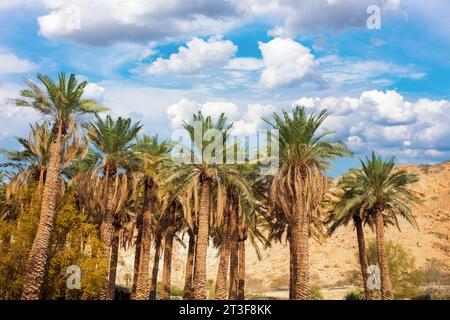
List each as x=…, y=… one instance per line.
x=62, y=101
x=189, y=268
x=224, y=251
x=299, y=184
x=345, y=212
x=155, y=268
x=151, y=157
x=112, y=140
x=201, y=179
x=173, y=223
x=384, y=192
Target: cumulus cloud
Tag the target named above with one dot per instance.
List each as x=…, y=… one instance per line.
x=94, y=91
x=197, y=55
x=300, y=16
x=375, y=120
x=287, y=62
x=15, y=119
x=10, y=63
x=185, y=108
x=387, y=121
x=103, y=22
x=252, y=119
x=246, y=119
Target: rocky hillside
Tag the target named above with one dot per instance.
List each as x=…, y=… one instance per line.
x=332, y=261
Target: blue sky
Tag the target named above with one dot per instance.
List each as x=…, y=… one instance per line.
x=159, y=61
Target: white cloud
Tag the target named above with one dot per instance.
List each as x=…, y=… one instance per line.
x=104, y=21
x=287, y=62
x=338, y=71
x=252, y=119
x=245, y=64
x=10, y=63
x=215, y=109
x=9, y=4
x=246, y=119
x=389, y=107
x=300, y=16
x=197, y=55
x=387, y=121
x=15, y=119
x=185, y=108
x=94, y=91
x=182, y=111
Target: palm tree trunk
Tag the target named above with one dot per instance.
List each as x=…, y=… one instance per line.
x=167, y=268
x=386, y=286
x=241, y=282
x=222, y=271
x=39, y=251
x=187, y=292
x=113, y=263
x=167, y=265
x=292, y=268
x=107, y=228
x=300, y=245
x=154, y=280
x=137, y=254
x=142, y=278
x=362, y=256
x=200, y=284
x=234, y=256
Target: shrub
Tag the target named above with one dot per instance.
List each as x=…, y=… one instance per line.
x=316, y=294
x=354, y=295
x=405, y=277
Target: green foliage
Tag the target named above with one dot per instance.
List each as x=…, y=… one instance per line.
x=113, y=139
x=176, y=292
x=316, y=294
x=405, y=277
x=17, y=238
x=74, y=242
x=355, y=295
x=61, y=99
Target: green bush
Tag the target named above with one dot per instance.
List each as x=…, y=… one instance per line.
x=316, y=294
x=405, y=277
x=355, y=295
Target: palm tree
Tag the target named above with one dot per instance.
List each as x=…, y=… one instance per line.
x=344, y=212
x=224, y=251
x=173, y=222
x=155, y=268
x=62, y=101
x=383, y=191
x=189, y=269
x=112, y=141
x=201, y=180
x=299, y=184
x=30, y=163
x=151, y=157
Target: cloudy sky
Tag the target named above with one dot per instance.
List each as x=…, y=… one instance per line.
x=159, y=61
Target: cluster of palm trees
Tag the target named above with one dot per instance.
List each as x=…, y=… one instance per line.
x=140, y=198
